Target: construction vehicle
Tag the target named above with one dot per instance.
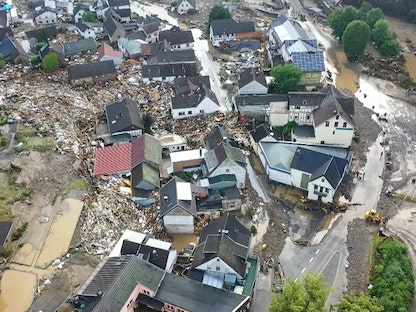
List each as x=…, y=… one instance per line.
x=372, y=215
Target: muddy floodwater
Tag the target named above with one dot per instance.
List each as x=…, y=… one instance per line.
x=410, y=64
x=346, y=73
x=181, y=241
x=17, y=290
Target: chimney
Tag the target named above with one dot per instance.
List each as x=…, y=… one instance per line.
x=165, y=198
x=297, y=153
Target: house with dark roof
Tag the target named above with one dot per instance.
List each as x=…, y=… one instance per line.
x=11, y=49
x=264, y=133
x=223, y=254
x=178, y=205
x=293, y=44
x=99, y=7
x=123, y=117
x=114, y=29
x=172, y=57
x=45, y=16
x=317, y=170
x=6, y=231
x=227, y=30
x=50, y=32
x=167, y=73
x=85, y=31
x=252, y=81
x=98, y=72
x=78, y=12
x=177, y=38
x=120, y=9
x=225, y=159
x=217, y=136
x=186, y=85
x=80, y=47
x=201, y=101
x=184, y=6
x=130, y=283
x=151, y=29
x=4, y=19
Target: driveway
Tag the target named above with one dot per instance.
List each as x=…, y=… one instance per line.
x=262, y=292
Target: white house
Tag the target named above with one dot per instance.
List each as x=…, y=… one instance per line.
x=316, y=169
x=45, y=16
x=79, y=11
x=252, y=82
x=177, y=38
x=226, y=30
x=183, y=6
x=85, y=31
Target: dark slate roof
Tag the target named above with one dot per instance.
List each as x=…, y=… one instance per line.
x=80, y=71
x=3, y=18
x=4, y=230
x=330, y=107
x=311, y=99
x=193, y=99
x=169, y=199
x=156, y=256
x=169, y=70
x=304, y=131
x=177, y=36
x=111, y=25
x=129, y=248
x=162, y=45
x=191, y=2
x=7, y=47
x=252, y=74
x=114, y=3
x=80, y=46
x=151, y=27
x=345, y=100
x=79, y=8
x=186, y=85
x=314, y=162
x=4, y=31
x=229, y=26
x=81, y=26
x=261, y=100
x=227, y=239
x=172, y=57
x=123, y=115
x=135, y=271
x=217, y=136
x=260, y=132
x=50, y=31
x=191, y=295
x=222, y=178
x=122, y=12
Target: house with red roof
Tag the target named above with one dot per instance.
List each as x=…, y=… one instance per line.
x=106, y=53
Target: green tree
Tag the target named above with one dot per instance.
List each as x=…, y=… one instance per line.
x=365, y=7
x=307, y=295
x=354, y=302
x=50, y=62
x=339, y=20
x=218, y=12
x=355, y=38
x=390, y=48
x=373, y=16
x=381, y=33
x=2, y=62
x=286, y=78
x=35, y=60
x=88, y=17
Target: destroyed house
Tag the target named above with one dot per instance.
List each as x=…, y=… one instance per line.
x=80, y=47
x=218, y=136
x=186, y=85
x=167, y=72
x=98, y=72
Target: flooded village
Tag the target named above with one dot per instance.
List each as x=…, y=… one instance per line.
x=154, y=168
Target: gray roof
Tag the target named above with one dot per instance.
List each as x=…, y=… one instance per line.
x=193, y=99
x=194, y=296
x=252, y=74
x=78, y=8
x=50, y=32
x=80, y=46
x=177, y=36
x=81, y=26
x=151, y=27
x=311, y=99
x=111, y=26
x=261, y=100
x=5, y=227
x=169, y=70
x=80, y=71
x=123, y=115
x=319, y=164
x=287, y=29
x=229, y=26
x=330, y=107
x=191, y=2
x=216, y=156
x=114, y=3
x=260, y=132
x=217, y=136
x=122, y=12
x=169, y=199
x=227, y=239
x=172, y=57
x=304, y=131
x=186, y=85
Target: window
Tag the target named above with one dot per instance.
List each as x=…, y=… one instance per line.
x=326, y=190
x=305, y=102
x=336, y=124
x=189, y=112
x=315, y=187
x=201, y=111
x=308, y=117
x=181, y=113
x=322, y=142
x=344, y=125
x=297, y=107
x=130, y=304
x=226, y=170
x=146, y=292
x=187, y=44
x=337, y=117
x=209, y=267
x=333, y=132
x=327, y=124
x=217, y=268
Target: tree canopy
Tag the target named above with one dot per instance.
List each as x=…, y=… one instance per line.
x=355, y=38
x=218, y=12
x=286, y=78
x=2, y=63
x=373, y=16
x=50, y=62
x=354, y=302
x=88, y=17
x=307, y=295
x=339, y=20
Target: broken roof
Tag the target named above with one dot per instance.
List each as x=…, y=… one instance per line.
x=194, y=99
x=77, y=47
x=185, y=85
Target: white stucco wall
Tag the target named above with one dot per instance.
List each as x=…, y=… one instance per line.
x=334, y=135
x=230, y=167
x=326, y=188
x=207, y=106
x=179, y=224
x=217, y=265
x=253, y=88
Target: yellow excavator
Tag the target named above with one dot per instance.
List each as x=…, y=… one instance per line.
x=372, y=215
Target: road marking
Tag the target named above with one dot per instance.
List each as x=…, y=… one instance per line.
x=303, y=270
x=310, y=260
x=316, y=252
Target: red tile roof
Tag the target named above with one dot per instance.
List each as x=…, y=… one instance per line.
x=106, y=50
x=113, y=159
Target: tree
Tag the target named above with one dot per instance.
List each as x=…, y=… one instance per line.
x=306, y=295
x=50, y=62
x=88, y=17
x=355, y=38
x=339, y=20
x=286, y=78
x=2, y=63
x=218, y=12
x=35, y=60
x=373, y=16
x=354, y=302
x=381, y=33
x=390, y=48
